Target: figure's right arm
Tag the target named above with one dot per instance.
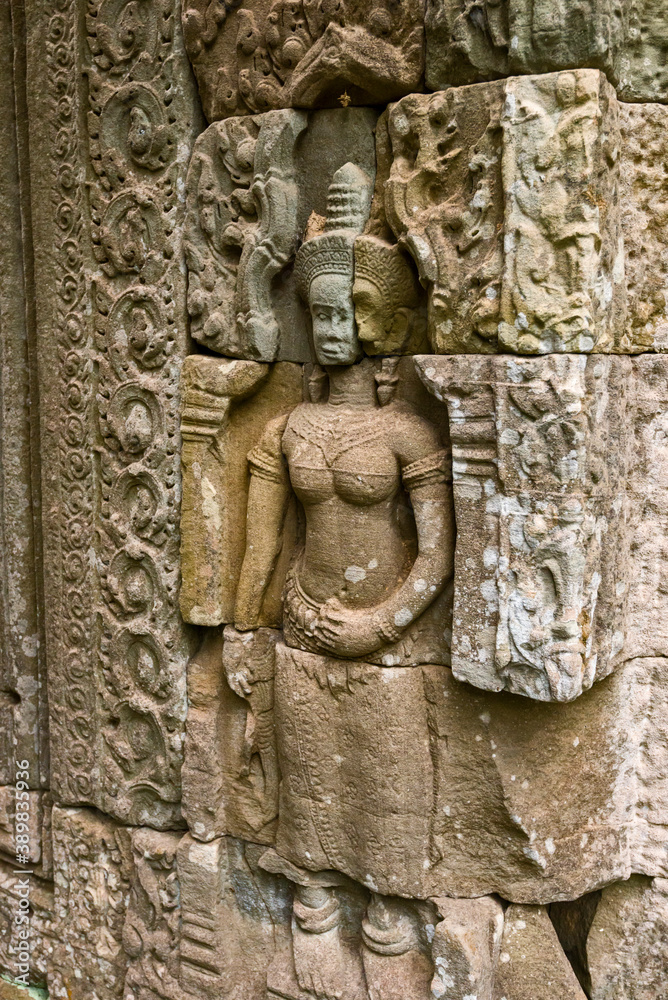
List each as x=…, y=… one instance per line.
x=268, y=496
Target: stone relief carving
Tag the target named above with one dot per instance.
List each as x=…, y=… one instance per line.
x=226, y=405
x=511, y=212
x=421, y=476
x=110, y=382
x=472, y=40
x=251, y=188
x=541, y=518
x=296, y=53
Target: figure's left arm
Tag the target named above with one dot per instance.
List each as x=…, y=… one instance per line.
x=426, y=475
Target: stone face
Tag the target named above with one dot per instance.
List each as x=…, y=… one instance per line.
x=506, y=195
x=252, y=185
x=539, y=460
x=532, y=965
x=270, y=54
x=626, y=945
x=471, y=42
x=226, y=405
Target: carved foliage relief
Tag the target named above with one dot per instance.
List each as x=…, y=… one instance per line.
x=259, y=56
x=511, y=212
x=119, y=738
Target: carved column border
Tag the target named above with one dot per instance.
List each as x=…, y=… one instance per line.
x=61, y=245
x=97, y=703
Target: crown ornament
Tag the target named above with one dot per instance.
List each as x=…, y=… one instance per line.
x=331, y=251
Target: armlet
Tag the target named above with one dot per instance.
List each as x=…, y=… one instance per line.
x=267, y=465
x=434, y=468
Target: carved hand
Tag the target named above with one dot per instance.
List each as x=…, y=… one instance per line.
x=345, y=632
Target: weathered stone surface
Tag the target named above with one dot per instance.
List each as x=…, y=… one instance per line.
x=151, y=931
x=647, y=488
x=466, y=947
x=42, y=927
x=364, y=791
x=111, y=335
x=226, y=406
x=92, y=867
x=252, y=186
x=492, y=779
x=272, y=54
x=23, y=709
x=30, y=816
x=506, y=195
x=234, y=915
x=643, y=193
x=539, y=462
x=468, y=42
x=230, y=773
x=532, y=965
x=626, y=945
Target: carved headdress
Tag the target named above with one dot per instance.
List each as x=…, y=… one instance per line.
x=331, y=251
x=386, y=266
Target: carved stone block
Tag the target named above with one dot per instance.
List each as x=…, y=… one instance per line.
x=42, y=928
x=468, y=42
x=23, y=708
x=298, y=54
x=252, y=186
x=539, y=457
x=543, y=802
x=647, y=488
x=92, y=864
x=626, y=951
x=226, y=406
x=643, y=198
x=506, y=195
x=481, y=792
x=32, y=816
x=111, y=332
x=234, y=917
x=532, y=964
x=152, y=928
x=466, y=947
x=230, y=773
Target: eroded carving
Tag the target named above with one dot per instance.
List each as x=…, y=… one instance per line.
x=110, y=389
x=538, y=610
x=296, y=53
x=226, y=405
x=511, y=212
x=472, y=40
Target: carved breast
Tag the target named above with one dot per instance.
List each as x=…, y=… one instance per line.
x=334, y=457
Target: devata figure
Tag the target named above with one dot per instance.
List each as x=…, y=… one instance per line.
x=363, y=608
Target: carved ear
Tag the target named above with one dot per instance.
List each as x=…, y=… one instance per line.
x=401, y=323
